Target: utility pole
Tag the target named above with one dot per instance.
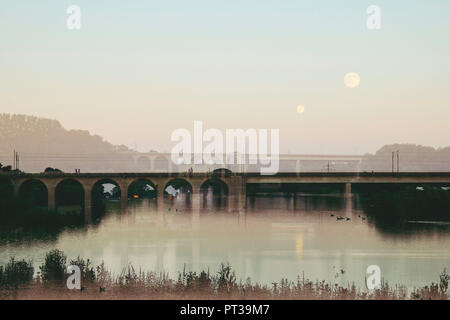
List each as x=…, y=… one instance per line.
x=327, y=167
x=393, y=161
x=15, y=163
x=398, y=161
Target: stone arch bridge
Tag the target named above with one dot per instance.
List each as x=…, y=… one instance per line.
x=235, y=183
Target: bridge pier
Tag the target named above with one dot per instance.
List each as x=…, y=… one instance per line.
x=348, y=190
x=291, y=202
x=87, y=206
x=152, y=164
x=230, y=200
x=87, y=189
x=237, y=196
x=244, y=194
x=124, y=199
x=241, y=203
x=196, y=198
x=160, y=204
x=160, y=197
x=348, y=200
x=294, y=201
x=51, y=191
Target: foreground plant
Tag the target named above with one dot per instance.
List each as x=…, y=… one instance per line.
x=17, y=281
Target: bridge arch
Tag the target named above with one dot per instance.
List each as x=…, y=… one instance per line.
x=179, y=184
x=144, y=163
x=110, y=188
x=34, y=190
x=105, y=191
x=222, y=172
x=69, y=194
x=218, y=184
x=178, y=192
x=161, y=164
x=142, y=189
x=214, y=194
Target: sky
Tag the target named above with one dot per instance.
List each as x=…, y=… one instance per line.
x=138, y=70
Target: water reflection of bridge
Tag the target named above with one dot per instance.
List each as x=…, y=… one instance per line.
x=233, y=185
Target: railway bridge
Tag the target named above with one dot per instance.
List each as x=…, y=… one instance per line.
x=234, y=185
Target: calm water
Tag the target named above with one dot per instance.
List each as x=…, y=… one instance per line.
x=276, y=238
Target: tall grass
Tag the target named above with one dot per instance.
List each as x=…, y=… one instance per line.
x=54, y=267
x=99, y=283
x=16, y=273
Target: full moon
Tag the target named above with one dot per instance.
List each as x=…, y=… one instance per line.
x=300, y=109
x=352, y=80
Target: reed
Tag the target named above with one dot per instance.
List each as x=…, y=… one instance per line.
x=17, y=281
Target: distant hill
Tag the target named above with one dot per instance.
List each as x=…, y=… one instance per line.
x=412, y=158
x=39, y=135
x=38, y=139
x=43, y=143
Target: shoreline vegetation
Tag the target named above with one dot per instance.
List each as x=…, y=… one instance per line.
x=19, y=215
x=18, y=280
x=394, y=205
x=28, y=217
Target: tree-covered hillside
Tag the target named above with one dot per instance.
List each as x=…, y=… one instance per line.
x=39, y=135
x=412, y=158
x=43, y=143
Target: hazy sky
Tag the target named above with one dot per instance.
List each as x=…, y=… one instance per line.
x=137, y=70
